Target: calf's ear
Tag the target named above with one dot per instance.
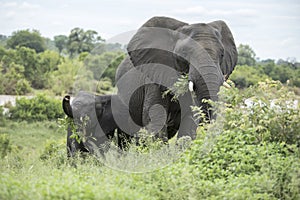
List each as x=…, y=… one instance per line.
x=66, y=104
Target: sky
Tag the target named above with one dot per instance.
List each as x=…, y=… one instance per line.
x=270, y=27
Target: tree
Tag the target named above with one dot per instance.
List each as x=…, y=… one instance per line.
x=110, y=71
x=37, y=66
x=246, y=55
x=28, y=58
x=7, y=56
x=13, y=81
x=26, y=38
x=82, y=41
x=71, y=77
x=104, y=65
x=244, y=76
x=3, y=39
x=48, y=62
x=60, y=42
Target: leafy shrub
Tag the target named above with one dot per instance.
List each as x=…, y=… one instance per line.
x=1, y=113
x=13, y=81
x=104, y=86
x=37, y=108
x=268, y=110
x=242, y=155
x=244, y=76
x=54, y=152
x=252, y=150
x=5, y=145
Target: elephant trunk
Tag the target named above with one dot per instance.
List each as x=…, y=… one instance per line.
x=205, y=79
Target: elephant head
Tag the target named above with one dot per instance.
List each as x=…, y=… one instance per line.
x=205, y=52
x=88, y=111
x=85, y=108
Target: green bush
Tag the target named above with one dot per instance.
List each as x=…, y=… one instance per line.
x=244, y=76
x=1, y=113
x=13, y=81
x=37, y=108
x=249, y=152
x=272, y=113
x=5, y=145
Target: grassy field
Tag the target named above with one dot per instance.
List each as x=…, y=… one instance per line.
x=246, y=154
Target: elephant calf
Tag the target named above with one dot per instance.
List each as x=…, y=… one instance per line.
x=93, y=117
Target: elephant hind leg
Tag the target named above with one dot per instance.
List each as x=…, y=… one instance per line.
x=123, y=140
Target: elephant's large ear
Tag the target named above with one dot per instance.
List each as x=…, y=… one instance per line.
x=66, y=104
x=230, y=52
x=154, y=41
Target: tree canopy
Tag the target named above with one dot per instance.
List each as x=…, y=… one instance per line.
x=246, y=55
x=60, y=42
x=26, y=38
x=82, y=41
x=84, y=60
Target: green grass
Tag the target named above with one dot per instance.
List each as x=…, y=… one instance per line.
x=31, y=137
x=196, y=175
x=248, y=153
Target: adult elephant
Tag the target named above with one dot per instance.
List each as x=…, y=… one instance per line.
x=160, y=52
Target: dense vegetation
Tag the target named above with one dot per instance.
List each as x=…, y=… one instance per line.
x=251, y=151
x=80, y=60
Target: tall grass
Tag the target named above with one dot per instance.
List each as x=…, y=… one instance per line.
x=233, y=158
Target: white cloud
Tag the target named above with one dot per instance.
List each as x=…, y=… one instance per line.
x=9, y=4
x=189, y=10
x=270, y=27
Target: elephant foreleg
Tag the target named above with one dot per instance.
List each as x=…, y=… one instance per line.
x=187, y=127
x=154, y=111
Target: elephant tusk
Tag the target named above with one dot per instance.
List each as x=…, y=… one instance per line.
x=226, y=85
x=191, y=86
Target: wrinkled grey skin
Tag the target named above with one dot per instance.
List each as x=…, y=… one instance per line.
x=95, y=111
x=162, y=50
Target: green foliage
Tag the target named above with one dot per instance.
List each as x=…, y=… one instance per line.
x=3, y=39
x=268, y=110
x=60, y=42
x=48, y=62
x=246, y=55
x=38, y=108
x=71, y=77
x=7, y=57
x=104, y=86
x=26, y=38
x=5, y=145
x=38, y=66
x=251, y=151
x=283, y=71
x=53, y=148
x=258, y=140
x=67, y=123
x=242, y=155
x=111, y=69
x=245, y=76
x=28, y=58
x=1, y=114
x=82, y=41
x=104, y=65
x=13, y=81
x=179, y=88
